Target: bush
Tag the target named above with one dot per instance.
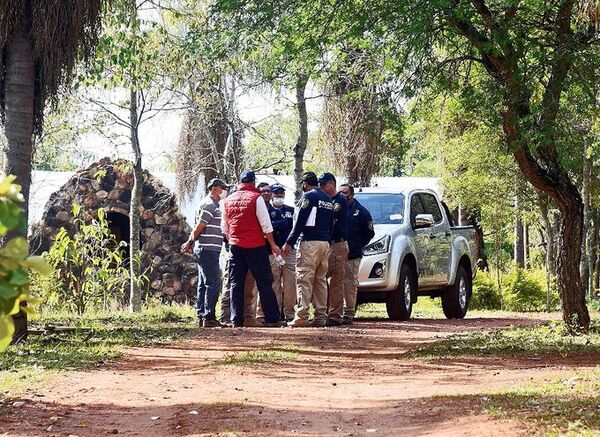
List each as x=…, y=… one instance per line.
x=526, y=291
x=88, y=267
x=15, y=261
x=485, y=293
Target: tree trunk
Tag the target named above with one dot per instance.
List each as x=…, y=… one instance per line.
x=585, y=195
x=302, y=142
x=135, y=293
x=593, y=242
x=570, y=287
x=19, y=108
x=519, y=252
x=526, y=245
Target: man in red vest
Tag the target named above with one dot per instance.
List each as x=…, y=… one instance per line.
x=246, y=223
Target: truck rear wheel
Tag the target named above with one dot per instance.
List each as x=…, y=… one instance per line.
x=399, y=302
x=455, y=299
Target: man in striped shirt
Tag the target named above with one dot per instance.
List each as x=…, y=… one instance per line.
x=208, y=240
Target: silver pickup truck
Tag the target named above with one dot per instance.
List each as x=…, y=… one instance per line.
x=416, y=251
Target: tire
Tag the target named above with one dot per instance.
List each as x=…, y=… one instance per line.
x=400, y=301
x=455, y=299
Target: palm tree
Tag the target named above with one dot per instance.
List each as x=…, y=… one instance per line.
x=40, y=41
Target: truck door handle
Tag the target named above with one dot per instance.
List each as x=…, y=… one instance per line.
x=448, y=233
x=432, y=236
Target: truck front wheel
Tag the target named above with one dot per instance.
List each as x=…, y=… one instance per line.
x=399, y=301
x=455, y=299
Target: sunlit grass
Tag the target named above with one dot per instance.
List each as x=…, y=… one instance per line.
x=569, y=405
x=90, y=341
x=549, y=338
x=260, y=356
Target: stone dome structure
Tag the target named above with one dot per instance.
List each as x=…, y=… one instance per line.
x=107, y=184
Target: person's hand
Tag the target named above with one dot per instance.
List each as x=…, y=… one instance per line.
x=187, y=247
x=276, y=251
x=286, y=249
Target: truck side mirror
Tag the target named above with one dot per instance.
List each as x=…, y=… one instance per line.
x=424, y=221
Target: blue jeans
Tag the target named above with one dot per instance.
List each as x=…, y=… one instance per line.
x=209, y=283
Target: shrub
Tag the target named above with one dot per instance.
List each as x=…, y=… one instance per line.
x=15, y=261
x=89, y=270
x=526, y=291
x=485, y=293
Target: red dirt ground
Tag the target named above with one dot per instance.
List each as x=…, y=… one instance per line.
x=354, y=381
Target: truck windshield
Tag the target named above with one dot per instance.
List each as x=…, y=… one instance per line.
x=386, y=208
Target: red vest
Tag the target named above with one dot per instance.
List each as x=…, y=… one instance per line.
x=242, y=223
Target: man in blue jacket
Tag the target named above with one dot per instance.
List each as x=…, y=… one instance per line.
x=360, y=232
x=313, y=227
x=338, y=250
x=284, y=276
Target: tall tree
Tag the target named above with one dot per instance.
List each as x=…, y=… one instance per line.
x=127, y=64
x=39, y=41
x=531, y=55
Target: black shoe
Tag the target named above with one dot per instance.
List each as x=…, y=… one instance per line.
x=277, y=324
x=331, y=322
x=211, y=323
x=347, y=321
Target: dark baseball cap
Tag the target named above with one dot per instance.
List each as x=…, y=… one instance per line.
x=310, y=178
x=216, y=182
x=275, y=188
x=326, y=177
x=247, y=176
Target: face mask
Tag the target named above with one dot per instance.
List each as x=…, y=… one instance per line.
x=278, y=201
x=222, y=195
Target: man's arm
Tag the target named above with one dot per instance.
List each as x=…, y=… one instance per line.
x=263, y=216
x=366, y=228
x=194, y=235
x=343, y=220
x=224, y=224
x=305, y=207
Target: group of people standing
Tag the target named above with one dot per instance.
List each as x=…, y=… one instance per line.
x=279, y=260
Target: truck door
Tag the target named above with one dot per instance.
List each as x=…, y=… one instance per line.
x=421, y=242
x=440, y=240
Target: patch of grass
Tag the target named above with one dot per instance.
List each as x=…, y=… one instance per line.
x=96, y=338
x=549, y=338
x=562, y=406
x=260, y=356
x=291, y=347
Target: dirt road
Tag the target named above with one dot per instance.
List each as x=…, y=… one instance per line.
x=303, y=382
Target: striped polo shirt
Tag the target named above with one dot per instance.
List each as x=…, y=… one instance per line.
x=211, y=239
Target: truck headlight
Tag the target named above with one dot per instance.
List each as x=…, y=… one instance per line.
x=378, y=247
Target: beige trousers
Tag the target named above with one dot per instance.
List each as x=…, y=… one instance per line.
x=311, y=279
x=351, y=287
x=284, y=285
x=338, y=257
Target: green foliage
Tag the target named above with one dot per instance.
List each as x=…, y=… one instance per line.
x=525, y=290
x=271, y=144
x=15, y=261
x=485, y=293
x=88, y=266
x=550, y=338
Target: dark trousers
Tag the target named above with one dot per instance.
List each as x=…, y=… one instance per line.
x=257, y=261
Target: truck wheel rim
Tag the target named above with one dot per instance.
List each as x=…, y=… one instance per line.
x=462, y=292
x=407, y=293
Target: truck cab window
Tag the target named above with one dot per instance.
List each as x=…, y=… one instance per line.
x=416, y=208
x=431, y=206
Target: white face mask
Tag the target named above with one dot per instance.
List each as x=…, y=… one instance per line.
x=222, y=194
x=278, y=201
